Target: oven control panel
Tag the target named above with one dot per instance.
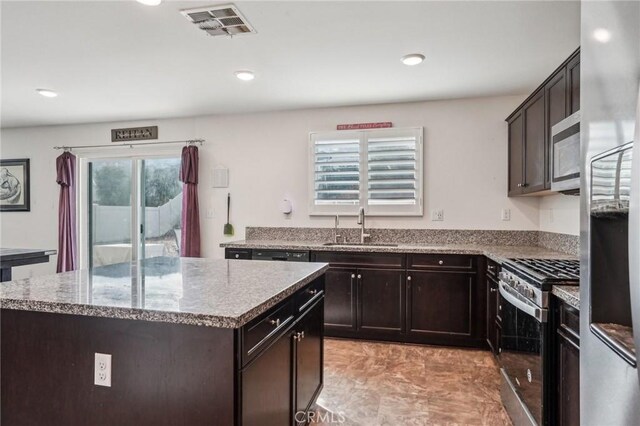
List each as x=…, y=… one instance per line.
x=527, y=290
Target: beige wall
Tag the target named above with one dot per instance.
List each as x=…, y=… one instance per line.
x=465, y=169
x=560, y=213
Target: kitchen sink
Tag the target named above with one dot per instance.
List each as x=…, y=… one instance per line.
x=361, y=244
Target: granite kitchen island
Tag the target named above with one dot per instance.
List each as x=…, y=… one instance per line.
x=192, y=341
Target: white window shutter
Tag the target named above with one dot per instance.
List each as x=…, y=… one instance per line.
x=379, y=169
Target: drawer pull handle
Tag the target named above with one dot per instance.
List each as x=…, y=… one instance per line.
x=493, y=290
x=275, y=322
x=313, y=291
x=409, y=278
x=440, y=262
x=237, y=256
x=298, y=336
x=359, y=276
x=353, y=276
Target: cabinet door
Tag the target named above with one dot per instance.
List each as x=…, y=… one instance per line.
x=492, y=310
x=440, y=305
x=266, y=385
x=381, y=302
x=340, y=299
x=535, y=158
x=573, y=75
x=309, y=351
x=516, y=154
x=568, y=383
x=557, y=109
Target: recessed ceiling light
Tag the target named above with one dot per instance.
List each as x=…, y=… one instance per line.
x=150, y=2
x=245, y=75
x=602, y=35
x=47, y=93
x=412, y=59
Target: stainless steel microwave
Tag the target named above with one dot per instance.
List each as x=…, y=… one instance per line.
x=565, y=151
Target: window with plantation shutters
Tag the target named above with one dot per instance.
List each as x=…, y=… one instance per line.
x=380, y=170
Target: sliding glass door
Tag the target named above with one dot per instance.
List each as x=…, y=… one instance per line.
x=133, y=209
x=161, y=202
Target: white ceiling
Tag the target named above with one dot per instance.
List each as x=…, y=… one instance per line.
x=121, y=60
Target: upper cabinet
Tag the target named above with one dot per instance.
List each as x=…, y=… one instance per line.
x=529, y=128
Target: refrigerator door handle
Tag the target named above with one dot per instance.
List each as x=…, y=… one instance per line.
x=634, y=233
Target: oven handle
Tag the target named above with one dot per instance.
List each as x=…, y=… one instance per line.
x=514, y=298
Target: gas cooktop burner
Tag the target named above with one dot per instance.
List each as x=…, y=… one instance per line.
x=543, y=271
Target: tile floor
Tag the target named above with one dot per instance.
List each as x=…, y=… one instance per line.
x=389, y=384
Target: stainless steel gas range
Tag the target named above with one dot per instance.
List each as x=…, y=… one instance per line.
x=525, y=286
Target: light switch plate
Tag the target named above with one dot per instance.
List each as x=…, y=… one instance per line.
x=102, y=370
x=506, y=214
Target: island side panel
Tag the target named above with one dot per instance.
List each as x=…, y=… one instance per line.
x=162, y=373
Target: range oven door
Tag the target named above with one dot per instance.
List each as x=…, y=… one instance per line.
x=522, y=344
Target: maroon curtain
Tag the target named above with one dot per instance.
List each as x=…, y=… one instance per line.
x=67, y=244
x=190, y=222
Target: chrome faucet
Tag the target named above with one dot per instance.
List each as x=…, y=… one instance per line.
x=335, y=229
x=361, y=223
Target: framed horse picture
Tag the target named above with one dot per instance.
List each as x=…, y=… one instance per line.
x=14, y=185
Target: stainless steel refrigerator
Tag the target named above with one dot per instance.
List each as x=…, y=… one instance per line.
x=609, y=222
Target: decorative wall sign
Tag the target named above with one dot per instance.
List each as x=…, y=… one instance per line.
x=361, y=126
x=134, y=134
x=14, y=185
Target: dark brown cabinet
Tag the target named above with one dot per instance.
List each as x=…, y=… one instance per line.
x=340, y=299
x=381, y=301
x=440, y=305
x=493, y=299
x=573, y=77
x=516, y=154
x=284, y=372
x=535, y=149
x=567, y=364
x=436, y=299
x=529, y=128
x=266, y=385
x=308, y=351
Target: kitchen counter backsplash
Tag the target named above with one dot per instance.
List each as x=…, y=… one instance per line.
x=565, y=243
x=559, y=242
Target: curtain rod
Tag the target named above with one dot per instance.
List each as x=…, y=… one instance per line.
x=130, y=145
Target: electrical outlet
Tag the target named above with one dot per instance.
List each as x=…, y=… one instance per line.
x=551, y=218
x=102, y=370
x=209, y=213
x=506, y=214
x=437, y=215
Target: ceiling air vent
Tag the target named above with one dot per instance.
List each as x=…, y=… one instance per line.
x=223, y=20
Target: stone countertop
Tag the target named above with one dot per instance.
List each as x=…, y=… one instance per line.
x=568, y=293
x=203, y=292
x=497, y=253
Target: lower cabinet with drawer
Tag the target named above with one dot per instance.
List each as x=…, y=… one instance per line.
x=433, y=299
x=566, y=357
x=282, y=361
x=445, y=300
